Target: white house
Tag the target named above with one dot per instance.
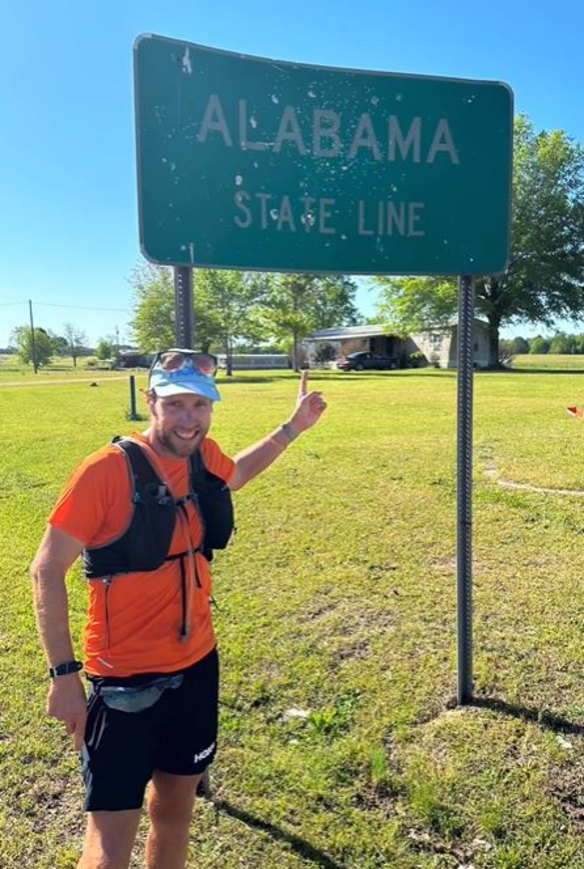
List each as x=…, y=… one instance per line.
x=324, y=345
x=438, y=345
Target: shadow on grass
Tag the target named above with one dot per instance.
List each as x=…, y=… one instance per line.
x=539, y=716
x=300, y=846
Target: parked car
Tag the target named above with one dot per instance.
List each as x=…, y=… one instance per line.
x=366, y=360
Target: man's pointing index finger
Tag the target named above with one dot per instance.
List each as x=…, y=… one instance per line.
x=303, y=386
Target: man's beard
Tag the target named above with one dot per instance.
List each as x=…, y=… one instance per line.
x=177, y=447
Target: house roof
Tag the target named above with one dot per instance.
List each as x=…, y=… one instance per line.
x=372, y=330
x=341, y=332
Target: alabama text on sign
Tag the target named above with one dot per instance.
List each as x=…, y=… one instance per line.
x=257, y=164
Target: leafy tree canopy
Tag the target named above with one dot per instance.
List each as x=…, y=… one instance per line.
x=545, y=276
x=233, y=307
x=539, y=345
x=297, y=305
x=105, y=348
x=153, y=321
x=223, y=307
x=519, y=345
x=28, y=350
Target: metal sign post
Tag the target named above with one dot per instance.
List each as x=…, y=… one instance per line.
x=183, y=306
x=133, y=409
x=464, y=487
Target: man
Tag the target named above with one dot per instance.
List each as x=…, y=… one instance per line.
x=132, y=509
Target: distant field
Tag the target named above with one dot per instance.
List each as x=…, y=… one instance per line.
x=564, y=362
x=13, y=370
x=337, y=598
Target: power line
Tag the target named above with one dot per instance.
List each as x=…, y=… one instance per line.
x=55, y=305
x=80, y=307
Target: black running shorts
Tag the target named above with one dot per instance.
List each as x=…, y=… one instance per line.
x=175, y=734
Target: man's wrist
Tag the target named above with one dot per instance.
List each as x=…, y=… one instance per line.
x=67, y=668
x=284, y=435
x=289, y=431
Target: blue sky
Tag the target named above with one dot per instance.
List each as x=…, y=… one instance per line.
x=68, y=221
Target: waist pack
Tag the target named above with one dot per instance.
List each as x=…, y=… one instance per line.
x=136, y=698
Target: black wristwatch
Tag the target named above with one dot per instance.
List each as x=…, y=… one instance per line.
x=65, y=669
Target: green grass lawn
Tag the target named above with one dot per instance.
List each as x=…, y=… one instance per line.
x=548, y=361
x=337, y=598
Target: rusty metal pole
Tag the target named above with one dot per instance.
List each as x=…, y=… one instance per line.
x=464, y=487
x=183, y=303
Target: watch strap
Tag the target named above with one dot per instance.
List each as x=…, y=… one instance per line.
x=65, y=669
x=289, y=431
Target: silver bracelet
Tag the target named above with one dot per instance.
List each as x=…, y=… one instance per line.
x=289, y=431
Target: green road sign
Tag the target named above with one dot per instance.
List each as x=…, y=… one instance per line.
x=257, y=164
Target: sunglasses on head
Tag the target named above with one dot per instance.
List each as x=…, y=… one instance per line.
x=174, y=361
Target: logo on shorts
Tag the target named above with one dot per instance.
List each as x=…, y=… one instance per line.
x=204, y=753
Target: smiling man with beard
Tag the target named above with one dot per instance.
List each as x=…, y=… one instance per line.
x=145, y=513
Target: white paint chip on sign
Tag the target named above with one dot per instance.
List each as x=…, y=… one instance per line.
x=186, y=61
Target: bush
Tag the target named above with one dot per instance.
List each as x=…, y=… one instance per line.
x=416, y=359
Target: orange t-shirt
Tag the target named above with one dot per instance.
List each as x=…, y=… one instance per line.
x=134, y=622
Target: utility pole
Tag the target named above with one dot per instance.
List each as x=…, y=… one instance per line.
x=32, y=340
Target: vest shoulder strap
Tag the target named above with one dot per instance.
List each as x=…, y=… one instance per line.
x=202, y=478
x=197, y=468
x=143, y=472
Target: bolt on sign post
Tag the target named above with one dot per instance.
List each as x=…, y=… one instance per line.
x=255, y=164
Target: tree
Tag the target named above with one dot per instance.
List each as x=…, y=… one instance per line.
x=539, y=345
x=296, y=305
x=232, y=307
x=59, y=342
x=223, y=307
x=230, y=300
x=153, y=323
x=105, y=348
x=26, y=352
x=75, y=340
x=562, y=343
x=519, y=345
x=413, y=304
x=545, y=276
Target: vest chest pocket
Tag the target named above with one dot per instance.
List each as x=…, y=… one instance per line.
x=150, y=533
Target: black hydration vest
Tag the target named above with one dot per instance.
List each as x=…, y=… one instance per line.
x=144, y=545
